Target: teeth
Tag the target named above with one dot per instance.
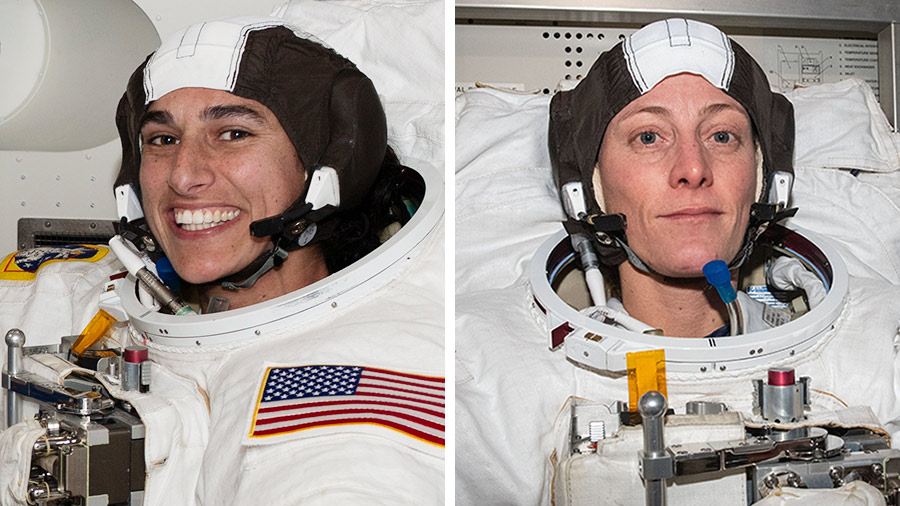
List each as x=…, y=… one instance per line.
x=201, y=219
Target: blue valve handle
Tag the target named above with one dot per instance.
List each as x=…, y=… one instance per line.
x=719, y=276
x=167, y=274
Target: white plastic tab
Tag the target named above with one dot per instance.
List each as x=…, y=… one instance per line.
x=573, y=200
x=780, y=191
x=324, y=188
x=127, y=204
x=110, y=300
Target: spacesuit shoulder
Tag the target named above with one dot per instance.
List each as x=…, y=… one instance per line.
x=53, y=291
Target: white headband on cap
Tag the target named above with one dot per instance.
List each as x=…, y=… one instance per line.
x=205, y=55
x=674, y=46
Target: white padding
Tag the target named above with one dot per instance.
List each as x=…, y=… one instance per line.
x=841, y=126
x=15, y=463
x=388, y=40
x=506, y=202
x=674, y=46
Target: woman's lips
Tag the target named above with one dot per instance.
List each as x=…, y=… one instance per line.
x=692, y=213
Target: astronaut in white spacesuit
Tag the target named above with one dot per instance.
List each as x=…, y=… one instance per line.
x=675, y=135
x=260, y=159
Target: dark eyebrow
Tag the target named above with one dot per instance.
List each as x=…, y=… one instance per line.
x=717, y=108
x=160, y=117
x=661, y=111
x=230, y=111
x=653, y=109
x=708, y=110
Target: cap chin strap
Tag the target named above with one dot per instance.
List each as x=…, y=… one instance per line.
x=608, y=234
x=296, y=227
x=263, y=264
x=302, y=223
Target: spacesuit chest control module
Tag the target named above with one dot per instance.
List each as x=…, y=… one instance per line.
x=777, y=450
x=91, y=450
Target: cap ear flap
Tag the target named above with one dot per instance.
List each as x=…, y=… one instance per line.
x=782, y=134
x=130, y=157
x=128, y=122
x=561, y=141
x=358, y=139
x=579, y=118
x=771, y=114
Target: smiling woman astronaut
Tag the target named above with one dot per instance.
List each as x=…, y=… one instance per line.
x=676, y=136
x=256, y=151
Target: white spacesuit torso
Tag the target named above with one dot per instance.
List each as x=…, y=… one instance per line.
x=215, y=402
x=210, y=435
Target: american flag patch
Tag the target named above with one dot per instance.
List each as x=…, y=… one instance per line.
x=300, y=398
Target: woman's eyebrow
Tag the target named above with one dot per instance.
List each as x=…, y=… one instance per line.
x=651, y=109
x=230, y=111
x=722, y=106
x=707, y=110
x=158, y=117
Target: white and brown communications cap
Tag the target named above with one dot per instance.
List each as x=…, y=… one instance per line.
x=328, y=108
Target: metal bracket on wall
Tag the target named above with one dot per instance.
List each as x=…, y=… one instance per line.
x=34, y=232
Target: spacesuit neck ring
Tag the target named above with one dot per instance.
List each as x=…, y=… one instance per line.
x=604, y=347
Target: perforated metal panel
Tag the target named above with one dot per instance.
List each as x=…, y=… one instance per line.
x=534, y=58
